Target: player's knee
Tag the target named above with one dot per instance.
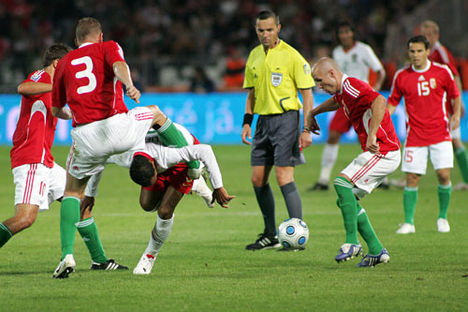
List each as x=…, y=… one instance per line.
x=146, y=206
x=165, y=212
x=26, y=221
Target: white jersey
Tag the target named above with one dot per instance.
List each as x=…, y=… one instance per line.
x=166, y=157
x=357, y=61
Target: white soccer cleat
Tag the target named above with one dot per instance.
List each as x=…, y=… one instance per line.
x=443, y=226
x=406, y=228
x=462, y=186
x=65, y=267
x=145, y=265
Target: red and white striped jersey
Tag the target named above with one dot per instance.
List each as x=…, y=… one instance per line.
x=85, y=79
x=426, y=92
x=35, y=130
x=356, y=97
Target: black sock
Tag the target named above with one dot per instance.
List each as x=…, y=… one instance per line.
x=266, y=202
x=292, y=199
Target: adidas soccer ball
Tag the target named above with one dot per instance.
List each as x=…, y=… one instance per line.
x=293, y=233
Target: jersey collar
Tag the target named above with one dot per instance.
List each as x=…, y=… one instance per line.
x=422, y=70
x=85, y=44
x=342, y=83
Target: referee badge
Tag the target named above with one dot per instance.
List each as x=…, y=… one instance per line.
x=276, y=79
x=306, y=69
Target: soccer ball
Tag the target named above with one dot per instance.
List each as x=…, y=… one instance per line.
x=293, y=233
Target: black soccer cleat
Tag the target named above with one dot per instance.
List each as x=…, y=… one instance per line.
x=264, y=242
x=109, y=265
x=318, y=187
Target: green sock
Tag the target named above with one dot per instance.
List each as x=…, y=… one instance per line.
x=69, y=216
x=5, y=234
x=171, y=136
x=410, y=198
x=445, y=193
x=367, y=232
x=89, y=232
x=462, y=160
x=347, y=203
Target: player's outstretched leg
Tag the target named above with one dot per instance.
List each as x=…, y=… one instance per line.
x=160, y=232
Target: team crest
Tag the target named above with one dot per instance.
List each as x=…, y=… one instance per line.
x=306, y=69
x=433, y=83
x=276, y=79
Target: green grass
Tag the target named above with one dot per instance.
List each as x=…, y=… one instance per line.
x=203, y=266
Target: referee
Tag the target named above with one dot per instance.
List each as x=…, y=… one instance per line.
x=274, y=73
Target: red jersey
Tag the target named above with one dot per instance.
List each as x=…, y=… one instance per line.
x=84, y=79
x=35, y=130
x=441, y=55
x=426, y=92
x=356, y=97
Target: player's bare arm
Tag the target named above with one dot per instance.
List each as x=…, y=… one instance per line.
x=380, y=79
x=327, y=106
x=249, y=105
x=122, y=72
x=391, y=109
x=455, y=118
x=305, y=140
x=61, y=112
x=34, y=88
x=378, y=111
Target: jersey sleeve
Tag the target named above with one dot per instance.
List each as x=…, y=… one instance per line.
x=248, y=76
x=371, y=59
x=302, y=73
x=59, y=97
x=395, y=93
x=451, y=86
x=113, y=53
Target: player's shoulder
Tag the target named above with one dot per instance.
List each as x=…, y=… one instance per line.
x=354, y=86
x=39, y=76
x=284, y=46
x=403, y=72
x=442, y=68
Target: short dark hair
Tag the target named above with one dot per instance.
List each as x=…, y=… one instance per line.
x=87, y=26
x=265, y=14
x=141, y=170
x=54, y=52
x=344, y=24
x=420, y=39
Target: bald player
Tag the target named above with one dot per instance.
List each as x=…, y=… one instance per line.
x=366, y=110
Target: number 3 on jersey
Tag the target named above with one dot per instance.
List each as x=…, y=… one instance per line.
x=86, y=73
x=423, y=88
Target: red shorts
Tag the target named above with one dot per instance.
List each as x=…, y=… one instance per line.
x=176, y=176
x=340, y=123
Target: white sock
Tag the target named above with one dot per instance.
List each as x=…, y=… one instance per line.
x=329, y=155
x=158, y=236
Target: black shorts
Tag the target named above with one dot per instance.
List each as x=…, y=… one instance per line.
x=276, y=141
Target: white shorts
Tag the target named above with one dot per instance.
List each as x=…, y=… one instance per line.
x=415, y=157
x=368, y=170
x=39, y=185
x=93, y=143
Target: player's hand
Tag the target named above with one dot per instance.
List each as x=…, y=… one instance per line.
x=313, y=124
x=305, y=140
x=134, y=94
x=372, y=145
x=454, y=122
x=222, y=197
x=246, y=133
x=86, y=206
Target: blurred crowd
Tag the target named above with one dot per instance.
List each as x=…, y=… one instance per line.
x=166, y=40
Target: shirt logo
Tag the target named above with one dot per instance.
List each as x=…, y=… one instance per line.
x=433, y=83
x=37, y=75
x=276, y=79
x=421, y=78
x=306, y=69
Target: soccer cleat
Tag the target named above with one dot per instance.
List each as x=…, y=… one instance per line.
x=406, y=228
x=443, y=226
x=462, y=186
x=264, y=242
x=319, y=187
x=109, y=265
x=348, y=252
x=145, y=265
x=65, y=267
x=369, y=261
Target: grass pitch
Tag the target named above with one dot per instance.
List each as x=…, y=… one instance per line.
x=203, y=265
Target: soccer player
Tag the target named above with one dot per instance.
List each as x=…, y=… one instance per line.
x=39, y=180
x=426, y=86
x=442, y=55
x=355, y=59
x=90, y=80
x=274, y=74
x=366, y=110
x=164, y=180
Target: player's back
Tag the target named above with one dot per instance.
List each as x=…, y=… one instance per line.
x=92, y=91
